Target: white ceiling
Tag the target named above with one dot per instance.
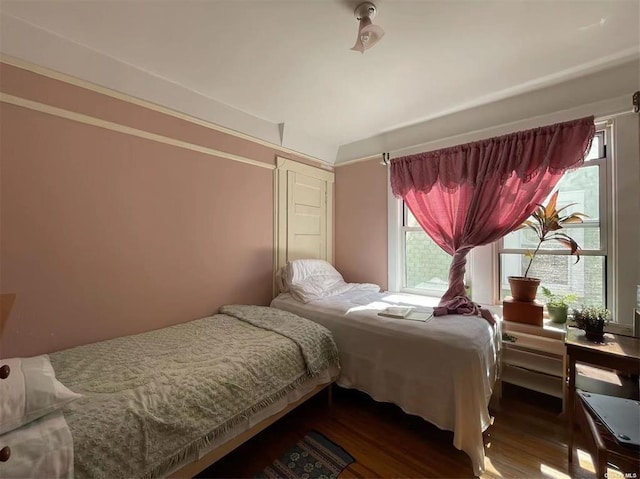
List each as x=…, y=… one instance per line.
x=289, y=61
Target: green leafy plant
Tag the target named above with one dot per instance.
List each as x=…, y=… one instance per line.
x=591, y=317
x=546, y=222
x=558, y=300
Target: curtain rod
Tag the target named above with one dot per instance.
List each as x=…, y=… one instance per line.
x=604, y=119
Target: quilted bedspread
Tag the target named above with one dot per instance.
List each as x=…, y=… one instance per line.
x=153, y=399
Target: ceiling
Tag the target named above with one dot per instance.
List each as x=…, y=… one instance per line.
x=288, y=62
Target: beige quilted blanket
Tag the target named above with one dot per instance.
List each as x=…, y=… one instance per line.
x=153, y=399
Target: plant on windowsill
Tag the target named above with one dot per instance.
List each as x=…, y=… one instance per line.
x=592, y=319
x=545, y=223
x=558, y=305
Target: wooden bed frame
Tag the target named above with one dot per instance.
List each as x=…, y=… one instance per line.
x=193, y=468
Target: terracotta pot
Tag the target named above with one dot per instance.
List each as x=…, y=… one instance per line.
x=523, y=289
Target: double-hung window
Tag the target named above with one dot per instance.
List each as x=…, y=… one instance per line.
x=424, y=266
x=587, y=188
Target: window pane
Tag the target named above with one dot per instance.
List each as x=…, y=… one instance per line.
x=427, y=265
x=585, y=279
x=597, y=147
x=410, y=219
x=587, y=237
x=581, y=186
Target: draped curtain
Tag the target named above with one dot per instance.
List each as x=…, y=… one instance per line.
x=474, y=194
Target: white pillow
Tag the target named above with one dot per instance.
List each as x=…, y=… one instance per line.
x=30, y=392
x=42, y=448
x=312, y=279
x=302, y=270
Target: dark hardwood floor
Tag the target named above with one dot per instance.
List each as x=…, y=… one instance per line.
x=527, y=440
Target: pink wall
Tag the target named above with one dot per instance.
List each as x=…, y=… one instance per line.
x=105, y=234
x=361, y=222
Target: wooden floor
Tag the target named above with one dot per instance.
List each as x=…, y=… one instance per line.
x=527, y=440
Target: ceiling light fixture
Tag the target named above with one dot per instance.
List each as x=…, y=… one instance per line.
x=368, y=33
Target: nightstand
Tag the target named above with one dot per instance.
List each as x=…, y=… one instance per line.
x=535, y=358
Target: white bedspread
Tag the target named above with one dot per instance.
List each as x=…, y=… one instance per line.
x=442, y=370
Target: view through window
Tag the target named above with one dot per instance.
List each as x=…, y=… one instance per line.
x=426, y=265
x=557, y=269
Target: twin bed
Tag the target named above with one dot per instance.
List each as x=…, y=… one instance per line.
x=442, y=369
x=172, y=401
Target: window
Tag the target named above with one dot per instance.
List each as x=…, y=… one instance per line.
x=587, y=279
x=605, y=187
x=424, y=266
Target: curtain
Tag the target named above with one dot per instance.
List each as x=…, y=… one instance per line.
x=474, y=194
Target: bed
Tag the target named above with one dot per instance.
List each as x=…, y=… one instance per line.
x=442, y=369
x=170, y=402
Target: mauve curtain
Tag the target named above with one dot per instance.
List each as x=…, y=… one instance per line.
x=474, y=194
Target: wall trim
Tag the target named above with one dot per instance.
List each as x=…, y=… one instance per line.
x=127, y=130
x=314, y=171
x=71, y=80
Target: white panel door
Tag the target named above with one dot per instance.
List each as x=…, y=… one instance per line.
x=303, y=213
x=306, y=217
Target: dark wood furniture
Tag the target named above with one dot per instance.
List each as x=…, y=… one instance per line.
x=603, y=444
x=615, y=352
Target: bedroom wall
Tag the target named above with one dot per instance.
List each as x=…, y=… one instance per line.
x=106, y=233
x=361, y=222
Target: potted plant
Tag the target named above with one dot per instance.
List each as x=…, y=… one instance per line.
x=557, y=304
x=593, y=320
x=545, y=223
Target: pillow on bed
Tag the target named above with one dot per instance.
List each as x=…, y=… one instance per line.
x=312, y=279
x=30, y=392
x=42, y=448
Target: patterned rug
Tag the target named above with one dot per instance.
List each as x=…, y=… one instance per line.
x=314, y=457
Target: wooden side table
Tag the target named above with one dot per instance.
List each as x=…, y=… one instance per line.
x=617, y=352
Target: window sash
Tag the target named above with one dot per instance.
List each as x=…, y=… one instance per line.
x=603, y=164
x=603, y=172
x=402, y=246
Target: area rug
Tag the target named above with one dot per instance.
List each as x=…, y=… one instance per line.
x=314, y=457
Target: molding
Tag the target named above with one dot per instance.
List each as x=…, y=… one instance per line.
x=359, y=160
x=127, y=130
x=314, y=171
x=71, y=80
x=276, y=231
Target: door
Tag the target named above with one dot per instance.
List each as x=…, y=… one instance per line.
x=304, y=212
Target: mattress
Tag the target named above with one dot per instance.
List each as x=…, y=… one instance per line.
x=442, y=370
x=155, y=401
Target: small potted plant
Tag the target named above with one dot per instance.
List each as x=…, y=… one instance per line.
x=545, y=223
x=558, y=305
x=593, y=320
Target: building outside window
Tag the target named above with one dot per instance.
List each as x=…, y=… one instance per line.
x=425, y=266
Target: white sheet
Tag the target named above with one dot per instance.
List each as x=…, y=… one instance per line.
x=442, y=370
